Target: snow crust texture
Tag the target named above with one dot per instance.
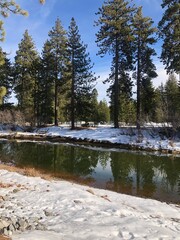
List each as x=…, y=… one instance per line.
x=67, y=211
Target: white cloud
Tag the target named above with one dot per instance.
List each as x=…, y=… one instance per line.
x=101, y=87
x=162, y=75
x=47, y=8
x=162, y=78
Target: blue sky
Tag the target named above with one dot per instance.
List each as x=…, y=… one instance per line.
x=42, y=18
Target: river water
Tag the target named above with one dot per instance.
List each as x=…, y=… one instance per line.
x=135, y=173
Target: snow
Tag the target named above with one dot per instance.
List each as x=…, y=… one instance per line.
x=149, y=138
x=79, y=212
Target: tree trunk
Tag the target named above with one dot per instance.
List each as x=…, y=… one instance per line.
x=138, y=111
x=72, y=96
x=55, y=106
x=116, y=87
x=55, y=102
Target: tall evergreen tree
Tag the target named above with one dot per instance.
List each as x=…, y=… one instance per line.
x=160, y=106
x=82, y=78
x=173, y=101
x=25, y=76
x=94, y=106
x=103, y=112
x=58, y=44
x=6, y=77
x=148, y=98
x=46, y=82
x=169, y=27
x=114, y=37
x=145, y=69
x=125, y=85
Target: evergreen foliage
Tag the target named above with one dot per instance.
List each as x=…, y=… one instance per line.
x=94, y=106
x=2, y=94
x=103, y=112
x=6, y=8
x=6, y=77
x=160, y=106
x=60, y=85
x=114, y=37
x=169, y=27
x=125, y=95
x=167, y=104
x=25, y=76
x=46, y=85
x=60, y=59
x=82, y=78
x=145, y=68
x=173, y=101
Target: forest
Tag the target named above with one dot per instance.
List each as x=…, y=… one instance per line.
x=58, y=84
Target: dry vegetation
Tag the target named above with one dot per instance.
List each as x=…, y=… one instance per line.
x=26, y=171
x=12, y=117
x=32, y=172
x=4, y=237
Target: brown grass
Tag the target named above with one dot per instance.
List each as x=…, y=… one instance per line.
x=4, y=237
x=26, y=171
x=32, y=172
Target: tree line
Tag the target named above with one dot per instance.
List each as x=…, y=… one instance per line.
x=59, y=84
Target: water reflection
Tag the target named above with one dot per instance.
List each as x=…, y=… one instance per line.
x=126, y=172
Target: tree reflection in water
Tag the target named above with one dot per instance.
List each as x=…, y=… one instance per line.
x=121, y=171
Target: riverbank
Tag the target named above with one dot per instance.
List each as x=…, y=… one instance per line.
x=45, y=209
x=48, y=209
x=150, y=139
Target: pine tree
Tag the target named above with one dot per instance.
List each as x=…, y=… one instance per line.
x=58, y=44
x=173, y=101
x=81, y=75
x=169, y=28
x=25, y=76
x=114, y=37
x=3, y=92
x=145, y=69
x=125, y=93
x=94, y=106
x=6, y=8
x=36, y=73
x=46, y=82
x=6, y=77
x=103, y=112
x=160, y=106
x=148, y=98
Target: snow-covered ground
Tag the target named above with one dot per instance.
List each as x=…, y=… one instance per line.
x=64, y=210
x=149, y=138
x=69, y=211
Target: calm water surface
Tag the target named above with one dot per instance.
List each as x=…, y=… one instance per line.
x=127, y=172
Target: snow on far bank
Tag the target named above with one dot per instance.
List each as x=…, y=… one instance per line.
x=69, y=211
x=149, y=138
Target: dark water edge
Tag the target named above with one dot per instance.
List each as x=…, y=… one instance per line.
x=123, y=171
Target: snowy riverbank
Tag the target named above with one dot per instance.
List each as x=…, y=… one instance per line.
x=151, y=138
x=64, y=210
